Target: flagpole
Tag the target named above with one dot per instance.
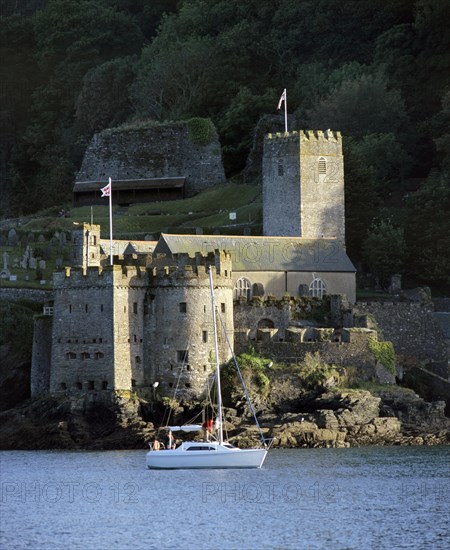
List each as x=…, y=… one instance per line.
x=283, y=98
x=285, y=112
x=110, y=223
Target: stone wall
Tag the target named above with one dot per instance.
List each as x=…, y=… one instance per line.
x=153, y=151
x=354, y=354
x=27, y=294
x=41, y=356
x=411, y=327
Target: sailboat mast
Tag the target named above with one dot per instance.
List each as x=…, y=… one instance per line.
x=216, y=349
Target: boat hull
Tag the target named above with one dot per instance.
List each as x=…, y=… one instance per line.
x=182, y=459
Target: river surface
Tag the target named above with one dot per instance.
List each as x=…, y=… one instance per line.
x=306, y=498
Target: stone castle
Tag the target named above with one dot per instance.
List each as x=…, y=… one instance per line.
x=145, y=321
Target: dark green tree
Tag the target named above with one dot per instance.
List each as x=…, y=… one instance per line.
x=383, y=250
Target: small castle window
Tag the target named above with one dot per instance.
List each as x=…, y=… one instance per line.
x=242, y=288
x=317, y=289
x=85, y=356
x=98, y=355
x=222, y=307
x=70, y=308
x=281, y=167
x=170, y=384
x=188, y=367
x=205, y=336
x=101, y=307
x=91, y=385
x=135, y=307
x=183, y=356
x=104, y=385
x=79, y=386
x=188, y=385
x=86, y=308
x=63, y=386
x=137, y=359
x=133, y=383
x=322, y=166
x=135, y=337
x=71, y=355
x=183, y=307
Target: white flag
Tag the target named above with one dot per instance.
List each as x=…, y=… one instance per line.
x=282, y=98
x=106, y=191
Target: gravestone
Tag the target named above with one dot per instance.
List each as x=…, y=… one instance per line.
x=4, y=273
x=42, y=264
x=12, y=237
x=32, y=264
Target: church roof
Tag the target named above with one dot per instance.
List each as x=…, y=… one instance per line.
x=264, y=253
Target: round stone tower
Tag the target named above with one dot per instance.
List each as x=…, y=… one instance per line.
x=179, y=355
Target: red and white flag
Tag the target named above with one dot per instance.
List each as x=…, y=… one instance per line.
x=106, y=191
x=282, y=98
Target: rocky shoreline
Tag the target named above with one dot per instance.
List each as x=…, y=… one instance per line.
x=344, y=418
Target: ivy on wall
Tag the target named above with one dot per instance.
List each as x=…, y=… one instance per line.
x=201, y=130
x=384, y=353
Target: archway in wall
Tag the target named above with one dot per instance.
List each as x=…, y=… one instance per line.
x=266, y=323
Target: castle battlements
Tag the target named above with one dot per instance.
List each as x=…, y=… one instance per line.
x=96, y=275
x=179, y=269
x=306, y=135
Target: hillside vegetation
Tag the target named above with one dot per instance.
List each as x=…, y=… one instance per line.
x=376, y=71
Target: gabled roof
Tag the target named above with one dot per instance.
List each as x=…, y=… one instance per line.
x=264, y=253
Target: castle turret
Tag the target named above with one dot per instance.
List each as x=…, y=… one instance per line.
x=86, y=245
x=179, y=337
x=303, y=185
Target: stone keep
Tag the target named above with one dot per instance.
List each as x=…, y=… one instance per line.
x=97, y=333
x=303, y=185
x=179, y=336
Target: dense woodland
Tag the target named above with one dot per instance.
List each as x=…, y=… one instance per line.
x=378, y=71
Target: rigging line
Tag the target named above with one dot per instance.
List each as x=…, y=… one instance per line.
x=180, y=371
x=263, y=439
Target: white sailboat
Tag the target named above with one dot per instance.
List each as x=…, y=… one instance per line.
x=208, y=454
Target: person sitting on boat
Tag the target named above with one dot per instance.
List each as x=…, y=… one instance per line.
x=207, y=428
x=170, y=440
x=156, y=445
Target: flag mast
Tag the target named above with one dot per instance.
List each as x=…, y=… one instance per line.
x=110, y=224
x=283, y=99
x=107, y=192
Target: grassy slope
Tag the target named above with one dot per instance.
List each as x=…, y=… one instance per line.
x=208, y=210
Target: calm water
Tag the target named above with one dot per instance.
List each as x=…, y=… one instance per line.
x=327, y=498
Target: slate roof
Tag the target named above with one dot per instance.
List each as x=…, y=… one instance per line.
x=264, y=253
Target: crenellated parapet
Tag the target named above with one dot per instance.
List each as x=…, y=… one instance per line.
x=183, y=269
x=314, y=142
